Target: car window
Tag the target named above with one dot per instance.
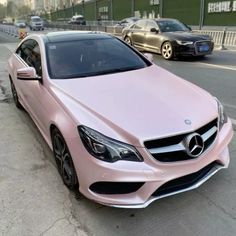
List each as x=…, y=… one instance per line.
x=29, y=51
x=36, y=19
x=91, y=57
x=151, y=24
x=171, y=26
x=24, y=49
x=141, y=24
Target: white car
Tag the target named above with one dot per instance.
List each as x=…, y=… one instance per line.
x=36, y=23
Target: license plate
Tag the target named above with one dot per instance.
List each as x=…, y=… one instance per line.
x=203, y=48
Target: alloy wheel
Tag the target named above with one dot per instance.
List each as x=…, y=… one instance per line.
x=128, y=40
x=167, y=51
x=64, y=161
x=15, y=96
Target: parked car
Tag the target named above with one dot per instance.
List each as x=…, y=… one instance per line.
x=123, y=130
x=77, y=20
x=36, y=23
x=169, y=37
x=20, y=23
x=127, y=21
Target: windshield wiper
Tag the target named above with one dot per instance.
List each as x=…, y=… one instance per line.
x=105, y=72
x=116, y=70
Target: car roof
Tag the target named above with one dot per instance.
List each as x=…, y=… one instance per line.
x=160, y=19
x=63, y=36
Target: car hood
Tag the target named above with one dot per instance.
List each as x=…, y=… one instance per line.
x=188, y=36
x=138, y=105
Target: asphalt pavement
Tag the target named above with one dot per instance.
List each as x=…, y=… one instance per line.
x=34, y=201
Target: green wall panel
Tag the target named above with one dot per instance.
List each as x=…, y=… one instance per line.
x=121, y=9
x=79, y=10
x=219, y=18
x=89, y=11
x=187, y=11
x=145, y=8
x=104, y=9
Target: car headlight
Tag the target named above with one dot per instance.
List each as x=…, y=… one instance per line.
x=107, y=149
x=222, y=115
x=184, y=42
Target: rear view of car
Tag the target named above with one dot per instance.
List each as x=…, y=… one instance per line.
x=77, y=20
x=20, y=24
x=36, y=23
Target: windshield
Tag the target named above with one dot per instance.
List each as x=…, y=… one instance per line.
x=91, y=57
x=36, y=19
x=171, y=26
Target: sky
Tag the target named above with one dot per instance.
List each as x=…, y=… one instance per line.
x=2, y=1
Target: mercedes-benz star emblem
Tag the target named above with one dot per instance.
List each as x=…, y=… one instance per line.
x=194, y=145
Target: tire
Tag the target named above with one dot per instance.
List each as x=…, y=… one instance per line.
x=128, y=40
x=15, y=96
x=167, y=51
x=64, y=160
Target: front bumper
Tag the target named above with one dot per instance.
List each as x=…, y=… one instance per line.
x=193, y=50
x=152, y=173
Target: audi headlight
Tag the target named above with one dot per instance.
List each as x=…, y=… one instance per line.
x=107, y=149
x=184, y=42
x=222, y=115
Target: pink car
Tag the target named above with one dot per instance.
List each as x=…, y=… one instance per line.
x=123, y=131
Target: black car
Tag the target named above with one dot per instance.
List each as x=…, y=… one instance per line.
x=169, y=37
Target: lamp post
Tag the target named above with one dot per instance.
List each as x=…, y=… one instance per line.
x=111, y=10
x=73, y=10
x=83, y=10
x=64, y=10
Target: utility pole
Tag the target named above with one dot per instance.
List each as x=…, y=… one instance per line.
x=161, y=8
x=201, y=14
x=111, y=10
x=133, y=7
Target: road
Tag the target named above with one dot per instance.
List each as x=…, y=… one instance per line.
x=34, y=201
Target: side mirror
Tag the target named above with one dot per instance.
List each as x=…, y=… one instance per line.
x=149, y=56
x=154, y=30
x=28, y=73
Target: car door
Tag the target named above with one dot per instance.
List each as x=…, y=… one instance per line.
x=153, y=39
x=33, y=92
x=137, y=32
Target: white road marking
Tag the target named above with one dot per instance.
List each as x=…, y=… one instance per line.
x=218, y=66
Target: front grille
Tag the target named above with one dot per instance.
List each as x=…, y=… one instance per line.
x=184, y=182
x=171, y=149
x=202, y=47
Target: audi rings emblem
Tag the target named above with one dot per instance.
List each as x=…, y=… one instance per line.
x=194, y=145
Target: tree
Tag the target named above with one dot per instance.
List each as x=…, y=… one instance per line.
x=24, y=10
x=2, y=11
x=11, y=9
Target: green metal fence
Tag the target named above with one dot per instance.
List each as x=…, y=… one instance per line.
x=192, y=12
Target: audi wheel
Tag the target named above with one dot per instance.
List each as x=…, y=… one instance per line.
x=128, y=40
x=167, y=51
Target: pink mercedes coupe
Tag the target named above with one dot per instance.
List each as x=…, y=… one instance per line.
x=124, y=131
